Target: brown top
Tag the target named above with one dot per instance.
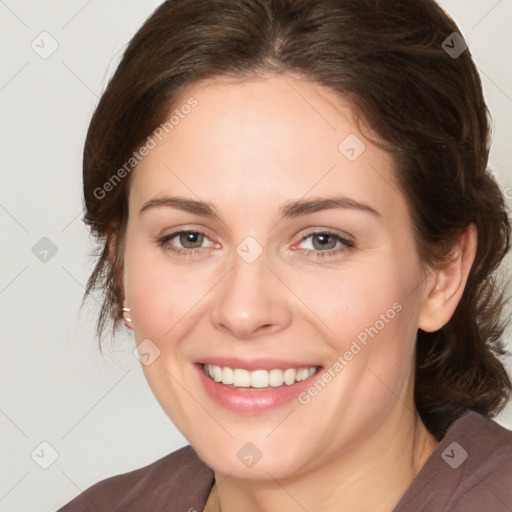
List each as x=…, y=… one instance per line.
x=469, y=471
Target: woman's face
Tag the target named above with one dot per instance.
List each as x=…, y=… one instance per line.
x=280, y=279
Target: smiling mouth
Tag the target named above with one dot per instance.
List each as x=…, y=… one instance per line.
x=258, y=379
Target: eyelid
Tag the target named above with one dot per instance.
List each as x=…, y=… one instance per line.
x=207, y=233
x=180, y=231
x=328, y=231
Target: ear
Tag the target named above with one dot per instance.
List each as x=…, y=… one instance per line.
x=447, y=282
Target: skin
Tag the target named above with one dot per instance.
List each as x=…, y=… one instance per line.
x=249, y=147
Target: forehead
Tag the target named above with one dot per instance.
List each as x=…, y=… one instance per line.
x=276, y=137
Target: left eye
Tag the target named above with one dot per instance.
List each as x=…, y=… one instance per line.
x=324, y=243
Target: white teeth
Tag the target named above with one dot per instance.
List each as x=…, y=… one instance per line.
x=302, y=374
x=289, y=376
x=275, y=377
x=227, y=375
x=217, y=373
x=258, y=378
x=241, y=378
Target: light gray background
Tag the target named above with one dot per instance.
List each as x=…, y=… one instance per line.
x=98, y=413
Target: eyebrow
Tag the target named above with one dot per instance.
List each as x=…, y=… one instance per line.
x=290, y=209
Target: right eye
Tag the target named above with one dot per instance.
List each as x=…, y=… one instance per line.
x=190, y=240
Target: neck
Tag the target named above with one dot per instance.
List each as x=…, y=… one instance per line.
x=372, y=476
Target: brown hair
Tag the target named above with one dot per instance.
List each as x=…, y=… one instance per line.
x=425, y=105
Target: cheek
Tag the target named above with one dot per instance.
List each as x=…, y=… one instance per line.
x=167, y=301
x=159, y=295
x=151, y=303
x=153, y=292
x=356, y=302
x=381, y=350
x=372, y=319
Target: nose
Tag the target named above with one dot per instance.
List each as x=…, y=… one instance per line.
x=251, y=301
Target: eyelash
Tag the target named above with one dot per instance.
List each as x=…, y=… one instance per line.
x=346, y=244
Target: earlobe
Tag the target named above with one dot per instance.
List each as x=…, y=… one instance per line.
x=126, y=311
x=114, y=261
x=448, y=281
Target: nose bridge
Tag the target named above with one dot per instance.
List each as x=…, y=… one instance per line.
x=248, y=298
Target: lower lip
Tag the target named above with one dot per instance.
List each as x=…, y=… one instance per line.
x=252, y=400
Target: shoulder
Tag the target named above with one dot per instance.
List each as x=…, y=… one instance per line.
x=470, y=470
x=179, y=481
x=488, y=475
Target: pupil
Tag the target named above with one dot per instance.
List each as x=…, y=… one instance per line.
x=190, y=238
x=324, y=240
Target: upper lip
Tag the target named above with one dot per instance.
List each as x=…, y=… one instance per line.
x=256, y=364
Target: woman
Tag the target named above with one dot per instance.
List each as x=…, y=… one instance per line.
x=300, y=230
